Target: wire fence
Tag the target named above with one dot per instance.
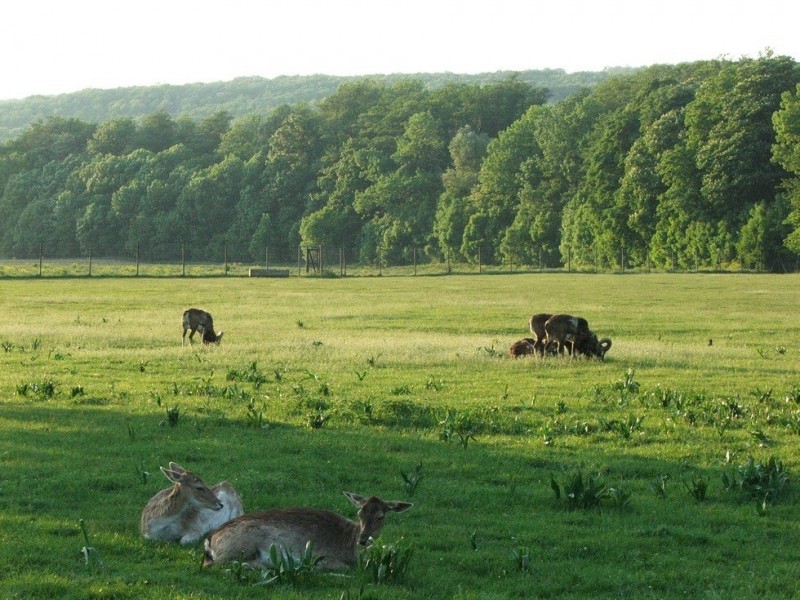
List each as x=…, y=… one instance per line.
x=178, y=260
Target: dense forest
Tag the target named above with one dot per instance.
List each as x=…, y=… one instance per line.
x=675, y=166
x=247, y=95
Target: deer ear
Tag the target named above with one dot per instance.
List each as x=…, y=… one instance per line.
x=399, y=506
x=355, y=499
x=172, y=475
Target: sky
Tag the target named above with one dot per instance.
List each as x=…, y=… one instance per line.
x=50, y=47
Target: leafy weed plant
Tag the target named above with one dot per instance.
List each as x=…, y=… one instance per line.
x=765, y=481
x=580, y=493
x=383, y=563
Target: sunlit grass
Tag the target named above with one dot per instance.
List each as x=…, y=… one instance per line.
x=329, y=385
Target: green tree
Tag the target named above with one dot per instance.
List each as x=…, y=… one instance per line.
x=760, y=239
x=115, y=136
x=495, y=198
x=291, y=169
x=786, y=152
x=729, y=126
x=467, y=151
x=157, y=132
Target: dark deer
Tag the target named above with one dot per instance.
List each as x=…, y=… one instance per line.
x=563, y=329
x=572, y=333
x=536, y=324
x=523, y=347
x=194, y=320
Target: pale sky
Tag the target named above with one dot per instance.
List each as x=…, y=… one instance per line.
x=61, y=46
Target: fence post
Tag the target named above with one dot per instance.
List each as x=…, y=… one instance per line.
x=321, y=261
x=266, y=258
x=299, y=257
x=622, y=258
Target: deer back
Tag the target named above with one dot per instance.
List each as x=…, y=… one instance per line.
x=248, y=538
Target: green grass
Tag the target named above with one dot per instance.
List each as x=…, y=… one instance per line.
x=329, y=385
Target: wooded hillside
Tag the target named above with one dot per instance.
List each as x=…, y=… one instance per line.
x=678, y=166
x=248, y=95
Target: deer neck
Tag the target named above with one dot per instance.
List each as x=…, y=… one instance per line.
x=176, y=501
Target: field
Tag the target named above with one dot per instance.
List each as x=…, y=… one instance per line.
x=667, y=471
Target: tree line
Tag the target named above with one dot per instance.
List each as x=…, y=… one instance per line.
x=674, y=166
x=245, y=95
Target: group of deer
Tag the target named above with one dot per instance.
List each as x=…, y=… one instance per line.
x=190, y=510
x=555, y=333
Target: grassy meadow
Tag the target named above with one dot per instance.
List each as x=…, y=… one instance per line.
x=668, y=471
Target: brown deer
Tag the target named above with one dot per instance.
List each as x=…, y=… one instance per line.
x=194, y=320
x=573, y=333
x=536, y=324
x=523, y=347
x=248, y=538
x=189, y=509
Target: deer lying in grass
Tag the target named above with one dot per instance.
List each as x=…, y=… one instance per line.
x=194, y=320
x=248, y=538
x=525, y=347
x=189, y=509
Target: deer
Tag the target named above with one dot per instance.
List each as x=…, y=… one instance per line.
x=189, y=509
x=523, y=347
x=536, y=324
x=333, y=538
x=572, y=333
x=194, y=320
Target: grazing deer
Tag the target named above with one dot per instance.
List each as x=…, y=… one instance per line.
x=572, y=333
x=563, y=329
x=189, y=509
x=195, y=319
x=248, y=538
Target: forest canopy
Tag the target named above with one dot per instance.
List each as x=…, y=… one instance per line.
x=677, y=166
